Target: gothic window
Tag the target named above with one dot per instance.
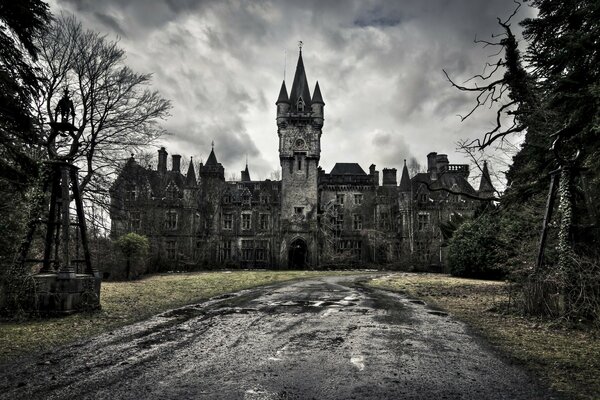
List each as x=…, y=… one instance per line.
x=171, y=220
x=227, y=199
x=423, y=219
x=247, y=250
x=171, y=249
x=264, y=199
x=339, y=198
x=228, y=221
x=226, y=250
x=264, y=222
x=384, y=220
x=423, y=197
x=358, y=198
x=171, y=192
x=300, y=104
x=135, y=220
x=131, y=193
x=357, y=222
x=246, y=221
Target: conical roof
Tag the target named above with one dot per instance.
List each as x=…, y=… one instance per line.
x=246, y=174
x=405, y=185
x=300, y=86
x=283, y=95
x=190, y=178
x=212, y=159
x=317, y=98
x=485, y=186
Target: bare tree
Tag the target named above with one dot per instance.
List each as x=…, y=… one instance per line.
x=116, y=111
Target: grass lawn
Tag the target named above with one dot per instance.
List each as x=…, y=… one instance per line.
x=127, y=302
x=567, y=359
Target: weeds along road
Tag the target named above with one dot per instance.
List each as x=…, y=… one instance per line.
x=323, y=338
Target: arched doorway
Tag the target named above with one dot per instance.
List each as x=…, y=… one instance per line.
x=297, y=254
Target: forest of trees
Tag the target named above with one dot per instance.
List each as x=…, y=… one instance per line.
x=550, y=94
x=116, y=113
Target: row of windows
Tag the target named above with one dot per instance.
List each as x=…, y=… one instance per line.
x=132, y=192
x=263, y=221
x=251, y=250
x=264, y=199
x=341, y=197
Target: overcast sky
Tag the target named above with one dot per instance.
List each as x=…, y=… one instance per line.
x=379, y=65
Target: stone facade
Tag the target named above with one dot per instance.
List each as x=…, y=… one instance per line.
x=308, y=219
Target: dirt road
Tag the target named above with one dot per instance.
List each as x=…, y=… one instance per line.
x=325, y=338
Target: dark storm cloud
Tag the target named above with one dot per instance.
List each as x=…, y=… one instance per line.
x=379, y=65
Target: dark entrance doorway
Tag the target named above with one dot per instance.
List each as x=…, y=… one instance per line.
x=297, y=254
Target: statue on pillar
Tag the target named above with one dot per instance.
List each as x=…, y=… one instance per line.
x=65, y=108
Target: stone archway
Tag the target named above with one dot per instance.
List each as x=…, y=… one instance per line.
x=297, y=254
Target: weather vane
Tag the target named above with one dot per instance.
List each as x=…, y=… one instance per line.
x=300, y=44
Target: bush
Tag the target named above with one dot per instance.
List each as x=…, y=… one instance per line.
x=473, y=251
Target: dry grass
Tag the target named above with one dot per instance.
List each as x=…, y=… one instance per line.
x=127, y=302
x=567, y=359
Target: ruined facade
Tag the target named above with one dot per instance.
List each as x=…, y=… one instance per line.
x=308, y=219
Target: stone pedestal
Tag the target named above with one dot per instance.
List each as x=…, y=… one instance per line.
x=58, y=296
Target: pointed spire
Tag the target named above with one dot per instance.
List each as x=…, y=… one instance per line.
x=246, y=173
x=300, y=87
x=485, y=186
x=190, y=178
x=212, y=159
x=317, y=98
x=283, y=95
x=405, y=179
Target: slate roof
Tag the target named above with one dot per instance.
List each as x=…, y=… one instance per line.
x=446, y=180
x=347, y=169
x=300, y=86
x=190, y=178
x=485, y=186
x=317, y=98
x=212, y=159
x=405, y=179
x=283, y=96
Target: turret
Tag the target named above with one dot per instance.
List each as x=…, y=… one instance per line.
x=486, y=189
x=283, y=105
x=190, y=178
x=317, y=106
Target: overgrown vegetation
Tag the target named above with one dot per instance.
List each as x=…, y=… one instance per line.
x=566, y=358
x=127, y=302
x=553, y=86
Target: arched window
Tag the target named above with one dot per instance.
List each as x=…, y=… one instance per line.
x=300, y=104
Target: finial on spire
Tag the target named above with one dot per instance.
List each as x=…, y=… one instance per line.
x=300, y=45
x=212, y=144
x=246, y=160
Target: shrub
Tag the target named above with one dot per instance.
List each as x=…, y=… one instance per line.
x=473, y=250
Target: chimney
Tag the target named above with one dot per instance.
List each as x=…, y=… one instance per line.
x=389, y=177
x=176, y=159
x=162, y=160
x=432, y=166
x=374, y=174
x=441, y=162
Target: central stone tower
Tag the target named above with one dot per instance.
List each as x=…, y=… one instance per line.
x=299, y=126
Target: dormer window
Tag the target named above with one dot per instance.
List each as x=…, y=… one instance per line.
x=300, y=104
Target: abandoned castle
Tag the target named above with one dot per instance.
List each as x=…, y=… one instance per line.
x=308, y=219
